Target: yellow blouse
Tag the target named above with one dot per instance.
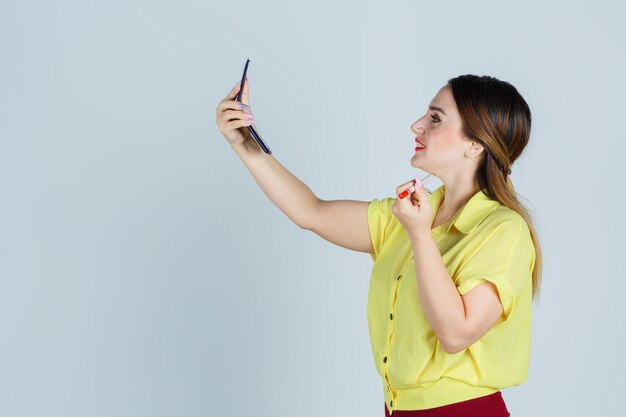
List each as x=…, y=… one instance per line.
x=484, y=241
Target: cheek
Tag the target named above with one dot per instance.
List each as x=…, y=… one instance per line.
x=439, y=143
x=445, y=150
x=448, y=142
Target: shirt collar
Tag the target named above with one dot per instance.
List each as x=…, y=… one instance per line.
x=470, y=215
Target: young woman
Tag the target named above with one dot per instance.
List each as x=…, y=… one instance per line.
x=455, y=271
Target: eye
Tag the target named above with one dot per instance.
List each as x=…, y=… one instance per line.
x=435, y=118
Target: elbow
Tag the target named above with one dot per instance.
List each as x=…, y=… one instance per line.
x=452, y=345
x=305, y=223
x=452, y=349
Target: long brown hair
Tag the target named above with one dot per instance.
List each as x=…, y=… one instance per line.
x=494, y=114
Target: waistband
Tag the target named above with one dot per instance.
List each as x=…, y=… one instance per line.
x=444, y=391
x=492, y=405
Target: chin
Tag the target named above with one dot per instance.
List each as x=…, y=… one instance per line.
x=418, y=165
x=414, y=163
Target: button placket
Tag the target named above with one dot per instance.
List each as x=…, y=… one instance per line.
x=390, y=326
x=386, y=357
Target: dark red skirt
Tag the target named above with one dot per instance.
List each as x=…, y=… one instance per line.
x=491, y=405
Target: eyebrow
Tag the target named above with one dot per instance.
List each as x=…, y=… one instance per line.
x=438, y=109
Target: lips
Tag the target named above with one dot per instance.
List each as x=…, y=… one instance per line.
x=419, y=148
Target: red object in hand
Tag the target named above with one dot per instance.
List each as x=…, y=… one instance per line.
x=407, y=191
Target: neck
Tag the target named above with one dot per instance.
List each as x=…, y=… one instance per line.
x=458, y=192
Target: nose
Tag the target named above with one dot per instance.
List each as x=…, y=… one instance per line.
x=417, y=129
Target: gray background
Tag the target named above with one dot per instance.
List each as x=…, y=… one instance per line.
x=143, y=272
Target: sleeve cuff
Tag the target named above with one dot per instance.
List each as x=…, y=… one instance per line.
x=507, y=297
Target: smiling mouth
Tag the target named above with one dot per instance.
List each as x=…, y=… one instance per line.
x=420, y=145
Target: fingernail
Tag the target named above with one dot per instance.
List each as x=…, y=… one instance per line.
x=237, y=84
x=417, y=181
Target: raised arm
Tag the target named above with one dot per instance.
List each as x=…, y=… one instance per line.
x=342, y=222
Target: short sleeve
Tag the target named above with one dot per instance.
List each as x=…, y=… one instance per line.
x=503, y=256
x=379, y=217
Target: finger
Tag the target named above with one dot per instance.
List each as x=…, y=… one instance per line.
x=236, y=114
x=407, y=192
x=406, y=200
x=227, y=105
x=404, y=186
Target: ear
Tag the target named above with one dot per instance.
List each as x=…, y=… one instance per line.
x=474, y=149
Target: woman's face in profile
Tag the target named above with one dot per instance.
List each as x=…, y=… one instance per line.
x=440, y=131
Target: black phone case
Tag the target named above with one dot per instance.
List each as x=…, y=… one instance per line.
x=251, y=129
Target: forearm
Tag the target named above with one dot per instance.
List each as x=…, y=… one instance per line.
x=438, y=296
x=285, y=190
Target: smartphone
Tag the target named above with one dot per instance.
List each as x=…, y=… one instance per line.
x=251, y=129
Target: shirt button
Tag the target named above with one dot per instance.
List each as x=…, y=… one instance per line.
x=399, y=276
x=391, y=403
x=385, y=359
x=390, y=316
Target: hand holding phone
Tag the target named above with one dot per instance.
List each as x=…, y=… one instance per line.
x=251, y=129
